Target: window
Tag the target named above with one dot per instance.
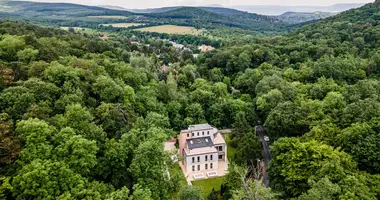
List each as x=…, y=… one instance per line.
x=193, y=159
x=208, y=132
x=199, y=167
x=203, y=133
x=198, y=134
x=220, y=157
x=220, y=148
x=205, y=158
x=188, y=135
x=210, y=157
x=206, y=166
x=192, y=134
x=193, y=168
x=199, y=159
x=210, y=165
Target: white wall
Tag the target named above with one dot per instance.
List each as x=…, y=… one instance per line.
x=189, y=162
x=204, y=133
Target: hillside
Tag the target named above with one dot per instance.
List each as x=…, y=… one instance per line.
x=58, y=9
x=278, y=10
x=86, y=117
x=316, y=91
x=64, y=14
x=299, y=17
x=155, y=10
x=360, y=23
x=221, y=17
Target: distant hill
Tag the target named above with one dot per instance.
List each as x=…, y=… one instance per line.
x=362, y=21
x=221, y=16
x=155, y=10
x=278, y=10
x=112, y=7
x=59, y=9
x=301, y=17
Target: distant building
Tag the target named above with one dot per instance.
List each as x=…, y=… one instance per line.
x=134, y=43
x=104, y=37
x=177, y=46
x=204, y=152
x=205, y=48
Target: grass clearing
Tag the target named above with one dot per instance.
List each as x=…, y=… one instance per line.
x=172, y=29
x=207, y=185
x=107, y=17
x=231, y=151
x=122, y=25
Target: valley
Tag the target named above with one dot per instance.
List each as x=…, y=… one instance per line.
x=189, y=103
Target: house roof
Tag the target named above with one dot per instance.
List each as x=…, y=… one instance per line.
x=199, y=142
x=104, y=37
x=197, y=127
x=219, y=139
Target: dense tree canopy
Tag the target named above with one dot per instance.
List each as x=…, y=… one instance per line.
x=85, y=118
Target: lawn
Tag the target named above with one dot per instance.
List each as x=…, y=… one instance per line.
x=207, y=185
x=122, y=25
x=172, y=29
x=231, y=151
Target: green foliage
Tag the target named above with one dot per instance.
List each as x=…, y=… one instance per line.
x=249, y=150
x=16, y=100
x=295, y=162
x=323, y=189
x=46, y=180
x=286, y=119
x=190, y=193
x=85, y=118
x=149, y=168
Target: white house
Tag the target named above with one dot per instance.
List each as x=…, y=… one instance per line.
x=204, y=152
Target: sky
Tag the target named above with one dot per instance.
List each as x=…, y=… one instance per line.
x=164, y=3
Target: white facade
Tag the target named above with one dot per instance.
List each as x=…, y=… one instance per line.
x=203, y=149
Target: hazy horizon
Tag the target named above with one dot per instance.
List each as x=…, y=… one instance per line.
x=140, y=4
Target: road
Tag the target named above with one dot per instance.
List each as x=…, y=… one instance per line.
x=260, y=132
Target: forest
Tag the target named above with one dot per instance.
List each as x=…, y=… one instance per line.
x=86, y=118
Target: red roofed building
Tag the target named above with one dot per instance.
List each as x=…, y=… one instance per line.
x=205, y=48
x=104, y=37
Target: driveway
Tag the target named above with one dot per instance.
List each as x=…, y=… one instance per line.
x=260, y=132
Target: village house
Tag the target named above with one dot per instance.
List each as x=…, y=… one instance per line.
x=204, y=152
x=177, y=46
x=205, y=48
x=104, y=37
